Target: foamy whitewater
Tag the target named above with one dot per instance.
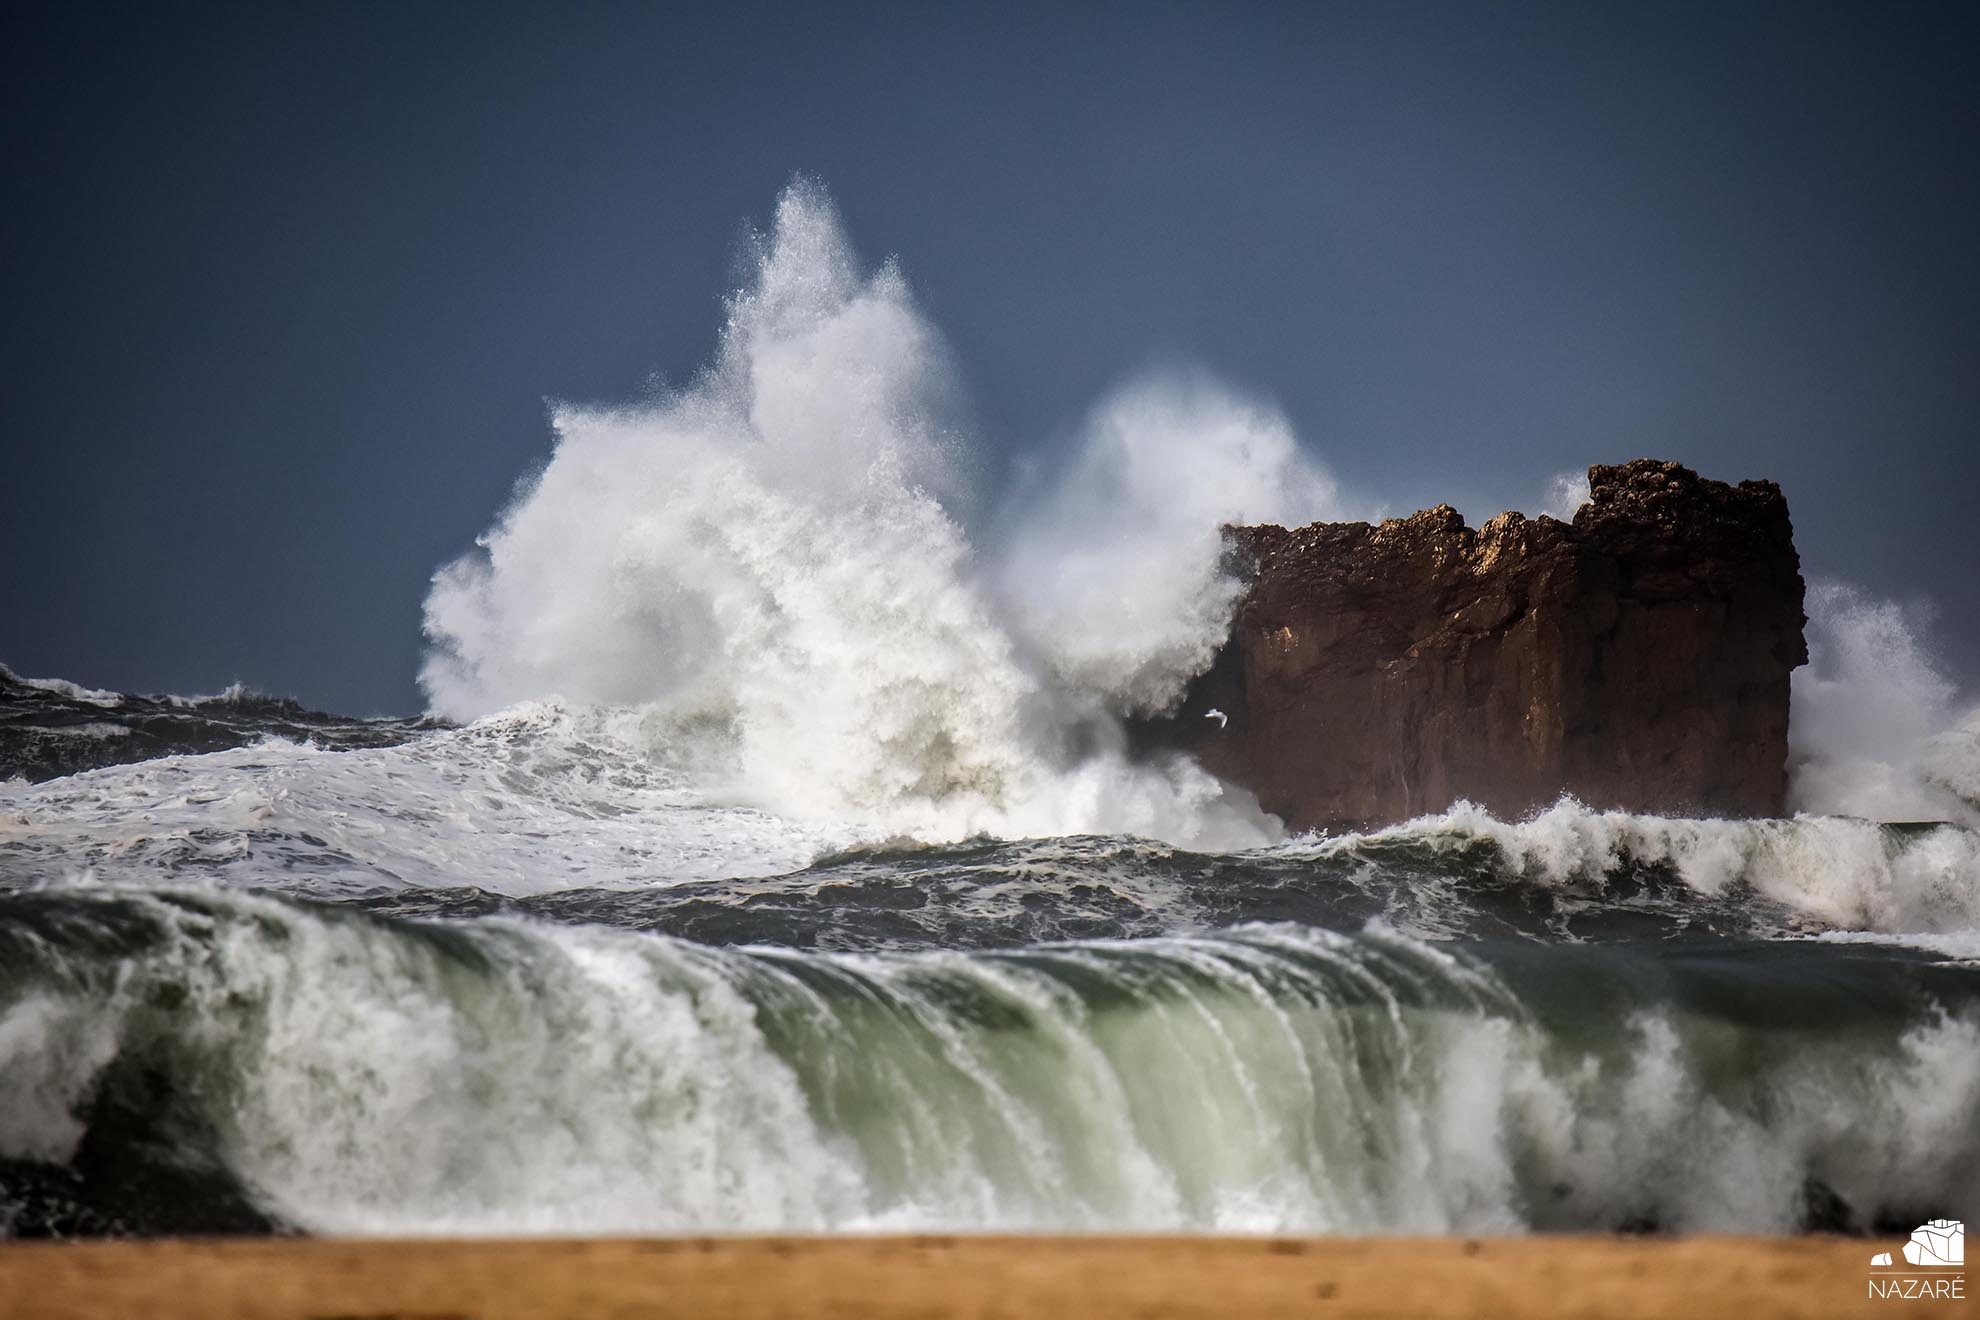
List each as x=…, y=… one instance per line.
x=773, y=858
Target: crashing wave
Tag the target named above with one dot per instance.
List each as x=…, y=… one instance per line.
x=346, y=1074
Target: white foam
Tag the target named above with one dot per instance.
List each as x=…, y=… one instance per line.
x=1834, y=871
x=769, y=563
x=542, y=798
x=1877, y=729
x=1112, y=567
x=51, y=1049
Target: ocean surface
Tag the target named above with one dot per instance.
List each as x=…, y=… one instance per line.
x=772, y=858
x=516, y=976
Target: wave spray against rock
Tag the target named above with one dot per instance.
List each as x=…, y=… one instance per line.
x=772, y=562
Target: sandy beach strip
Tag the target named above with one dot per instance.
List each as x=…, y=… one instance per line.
x=1063, y=1278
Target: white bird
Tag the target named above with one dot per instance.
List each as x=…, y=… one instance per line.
x=1214, y=714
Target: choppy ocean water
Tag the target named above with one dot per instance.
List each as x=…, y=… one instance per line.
x=518, y=976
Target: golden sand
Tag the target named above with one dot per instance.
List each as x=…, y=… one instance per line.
x=894, y=1278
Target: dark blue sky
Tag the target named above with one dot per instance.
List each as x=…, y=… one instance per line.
x=286, y=288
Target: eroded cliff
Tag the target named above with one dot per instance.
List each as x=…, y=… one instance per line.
x=1638, y=657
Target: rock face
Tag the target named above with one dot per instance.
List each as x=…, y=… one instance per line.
x=1637, y=658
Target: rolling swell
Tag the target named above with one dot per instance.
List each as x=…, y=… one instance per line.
x=185, y=1060
x=1568, y=875
x=995, y=894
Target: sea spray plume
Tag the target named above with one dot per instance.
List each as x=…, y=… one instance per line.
x=1566, y=493
x=841, y=377
x=1115, y=574
x=766, y=548
x=1952, y=763
x=765, y=562
x=1877, y=729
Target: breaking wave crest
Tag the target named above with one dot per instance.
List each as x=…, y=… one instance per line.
x=340, y=1073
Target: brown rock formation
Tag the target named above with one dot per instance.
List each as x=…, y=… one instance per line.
x=1636, y=658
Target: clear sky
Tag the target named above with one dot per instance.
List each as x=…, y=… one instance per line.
x=286, y=287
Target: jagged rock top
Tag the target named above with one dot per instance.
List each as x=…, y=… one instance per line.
x=1668, y=531
x=1643, y=492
